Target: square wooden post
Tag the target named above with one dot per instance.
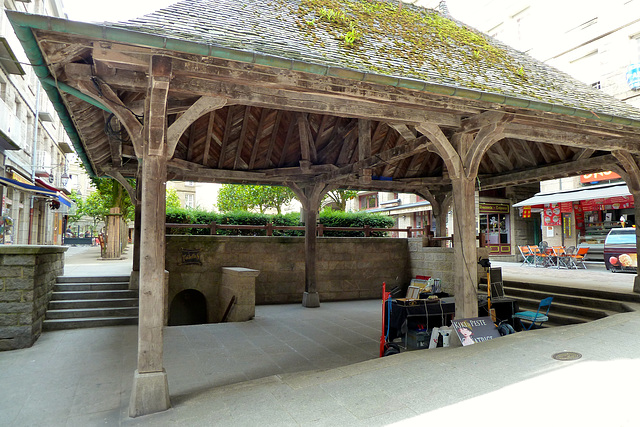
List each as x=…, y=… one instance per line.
x=150, y=391
x=310, y=298
x=464, y=247
x=310, y=198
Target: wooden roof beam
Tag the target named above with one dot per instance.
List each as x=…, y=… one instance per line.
x=570, y=139
x=310, y=102
x=558, y=170
x=393, y=155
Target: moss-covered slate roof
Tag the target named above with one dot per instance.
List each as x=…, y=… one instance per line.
x=378, y=37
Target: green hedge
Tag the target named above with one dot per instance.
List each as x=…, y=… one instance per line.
x=331, y=218
x=328, y=218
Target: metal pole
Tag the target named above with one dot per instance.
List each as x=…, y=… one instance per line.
x=34, y=151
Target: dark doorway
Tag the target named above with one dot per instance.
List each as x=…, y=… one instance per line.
x=189, y=307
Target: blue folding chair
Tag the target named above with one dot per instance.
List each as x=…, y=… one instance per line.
x=535, y=317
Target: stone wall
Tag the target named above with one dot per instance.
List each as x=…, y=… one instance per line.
x=27, y=277
x=439, y=263
x=348, y=268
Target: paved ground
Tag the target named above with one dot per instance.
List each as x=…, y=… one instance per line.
x=295, y=366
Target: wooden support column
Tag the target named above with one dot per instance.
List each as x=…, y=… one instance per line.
x=114, y=251
x=440, y=204
x=150, y=391
x=310, y=197
x=462, y=156
x=134, y=279
x=464, y=247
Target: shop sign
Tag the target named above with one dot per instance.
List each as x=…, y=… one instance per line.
x=476, y=329
x=598, y=176
x=493, y=208
x=566, y=207
x=633, y=76
x=577, y=208
x=619, y=202
x=567, y=228
x=551, y=216
x=526, y=212
x=19, y=178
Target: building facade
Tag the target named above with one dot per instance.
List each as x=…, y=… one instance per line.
x=33, y=143
x=594, y=42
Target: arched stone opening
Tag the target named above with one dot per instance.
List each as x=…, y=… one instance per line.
x=189, y=307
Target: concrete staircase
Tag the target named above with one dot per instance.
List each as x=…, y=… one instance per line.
x=89, y=302
x=570, y=305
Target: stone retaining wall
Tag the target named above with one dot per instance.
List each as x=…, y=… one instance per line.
x=27, y=277
x=348, y=268
x=439, y=262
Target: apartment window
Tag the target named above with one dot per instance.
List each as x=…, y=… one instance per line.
x=3, y=89
x=596, y=85
x=190, y=200
x=368, y=201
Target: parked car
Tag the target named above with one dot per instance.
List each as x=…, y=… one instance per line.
x=620, y=250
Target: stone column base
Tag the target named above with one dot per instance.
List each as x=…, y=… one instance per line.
x=636, y=285
x=310, y=299
x=150, y=393
x=134, y=280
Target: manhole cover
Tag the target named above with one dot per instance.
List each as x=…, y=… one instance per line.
x=567, y=355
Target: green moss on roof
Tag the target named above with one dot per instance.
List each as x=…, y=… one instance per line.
x=417, y=37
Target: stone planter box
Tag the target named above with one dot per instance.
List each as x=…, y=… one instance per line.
x=27, y=277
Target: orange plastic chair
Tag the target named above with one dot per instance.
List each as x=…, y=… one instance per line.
x=541, y=259
x=527, y=254
x=560, y=257
x=579, y=257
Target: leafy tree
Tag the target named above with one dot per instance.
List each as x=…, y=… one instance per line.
x=339, y=198
x=234, y=198
x=71, y=219
x=113, y=195
x=271, y=197
x=173, y=201
x=247, y=197
x=94, y=206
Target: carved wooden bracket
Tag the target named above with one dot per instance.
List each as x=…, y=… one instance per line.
x=202, y=106
x=155, y=124
x=103, y=93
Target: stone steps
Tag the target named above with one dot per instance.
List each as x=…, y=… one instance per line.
x=89, y=302
x=570, y=305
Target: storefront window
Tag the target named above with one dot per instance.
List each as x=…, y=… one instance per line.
x=494, y=223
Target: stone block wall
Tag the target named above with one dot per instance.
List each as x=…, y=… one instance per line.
x=348, y=268
x=27, y=277
x=436, y=262
x=439, y=263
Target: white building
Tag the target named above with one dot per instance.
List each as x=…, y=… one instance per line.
x=33, y=144
x=596, y=42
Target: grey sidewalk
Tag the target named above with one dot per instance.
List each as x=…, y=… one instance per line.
x=85, y=261
x=296, y=366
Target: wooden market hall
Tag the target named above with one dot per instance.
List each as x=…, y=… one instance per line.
x=378, y=96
